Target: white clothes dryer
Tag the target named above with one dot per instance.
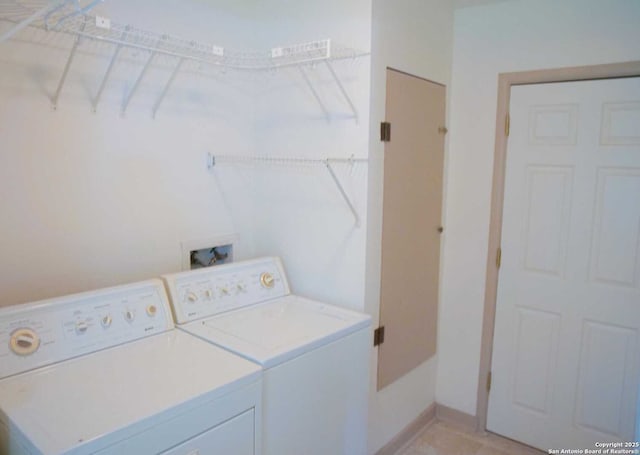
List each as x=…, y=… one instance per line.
x=105, y=372
x=315, y=356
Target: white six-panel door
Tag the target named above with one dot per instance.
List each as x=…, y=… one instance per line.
x=566, y=352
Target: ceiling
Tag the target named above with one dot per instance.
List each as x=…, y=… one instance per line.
x=250, y=7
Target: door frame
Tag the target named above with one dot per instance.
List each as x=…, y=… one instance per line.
x=505, y=82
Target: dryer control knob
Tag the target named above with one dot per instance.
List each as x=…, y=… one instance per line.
x=129, y=315
x=267, y=280
x=106, y=321
x=24, y=341
x=192, y=297
x=152, y=310
x=81, y=327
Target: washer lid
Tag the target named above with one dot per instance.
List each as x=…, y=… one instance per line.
x=279, y=330
x=90, y=402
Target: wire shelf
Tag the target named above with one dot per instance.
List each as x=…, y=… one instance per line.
x=70, y=17
x=214, y=160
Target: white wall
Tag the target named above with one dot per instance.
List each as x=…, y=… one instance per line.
x=414, y=36
x=300, y=214
x=514, y=36
x=91, y=200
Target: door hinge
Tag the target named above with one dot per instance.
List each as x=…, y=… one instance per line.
x=385, y=131
x=443, y=130
x=378, y=336
x=499, y=257
x=507, y=125
x=489, y=381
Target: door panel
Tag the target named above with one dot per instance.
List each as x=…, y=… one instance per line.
x=412, y=208
x=566, y=353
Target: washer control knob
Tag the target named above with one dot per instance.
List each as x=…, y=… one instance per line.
x=152, y=310
x=241, y=287
x=267, y=280
x=24, y=341
x=224, y=290
x=129, y=315
x=192, y=297
x=106, y=321
x=81, y=327
x=208, y=294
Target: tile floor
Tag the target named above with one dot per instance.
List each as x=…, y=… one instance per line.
x=441, y=438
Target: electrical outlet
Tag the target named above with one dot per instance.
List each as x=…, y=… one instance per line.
x=103, y=22
x=217, y=50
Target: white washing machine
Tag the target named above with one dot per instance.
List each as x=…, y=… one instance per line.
x=105, y=372
x=315, y=356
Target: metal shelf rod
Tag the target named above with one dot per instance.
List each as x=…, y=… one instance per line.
x=35, y=16
x=315, y=93
x=107, y=73
x=72, y=54
x=167, y=86
x=121, y=42
x=136, y=84
x=79, y=11
x=343, y=193
x=342, y=89
x=219, y=159
x=213, y=160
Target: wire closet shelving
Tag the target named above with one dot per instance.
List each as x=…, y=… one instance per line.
x=71, y=17
x=215, y=160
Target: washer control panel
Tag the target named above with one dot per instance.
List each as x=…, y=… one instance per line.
x=205, y=292
x=41, y=333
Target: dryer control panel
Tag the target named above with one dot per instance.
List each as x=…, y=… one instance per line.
x=42, y=333
x=201, y=293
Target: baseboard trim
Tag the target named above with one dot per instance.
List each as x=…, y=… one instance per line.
x=409, y=432
x=462, y=419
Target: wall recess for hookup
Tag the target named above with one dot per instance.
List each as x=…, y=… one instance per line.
x=207, y=252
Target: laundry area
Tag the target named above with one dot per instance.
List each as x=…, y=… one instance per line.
x=277, y=227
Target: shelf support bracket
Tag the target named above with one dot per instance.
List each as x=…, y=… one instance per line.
x=72, y=54
x=27, y=21
x=167, y=86
x=315, y=93
x=327, y=163
x=136, y=84
x=342, y=89
x=79, y=10
x=107, y=73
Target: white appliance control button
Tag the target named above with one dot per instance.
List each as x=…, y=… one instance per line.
x=192, y=296
x=224, y=290
x=267, y=280
x=241, y=287
x=24, y=341
x=129, y=315
x=152, y=310
x=208, y=294
x=106, y=321
x=81, y=327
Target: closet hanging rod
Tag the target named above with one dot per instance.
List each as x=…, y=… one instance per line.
x=215, y=159
x=327, y=162
x=60, y=8
x=103, y=30
x=221, y=61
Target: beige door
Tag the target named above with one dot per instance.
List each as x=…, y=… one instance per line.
x=566, y=352
x=412, y=207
